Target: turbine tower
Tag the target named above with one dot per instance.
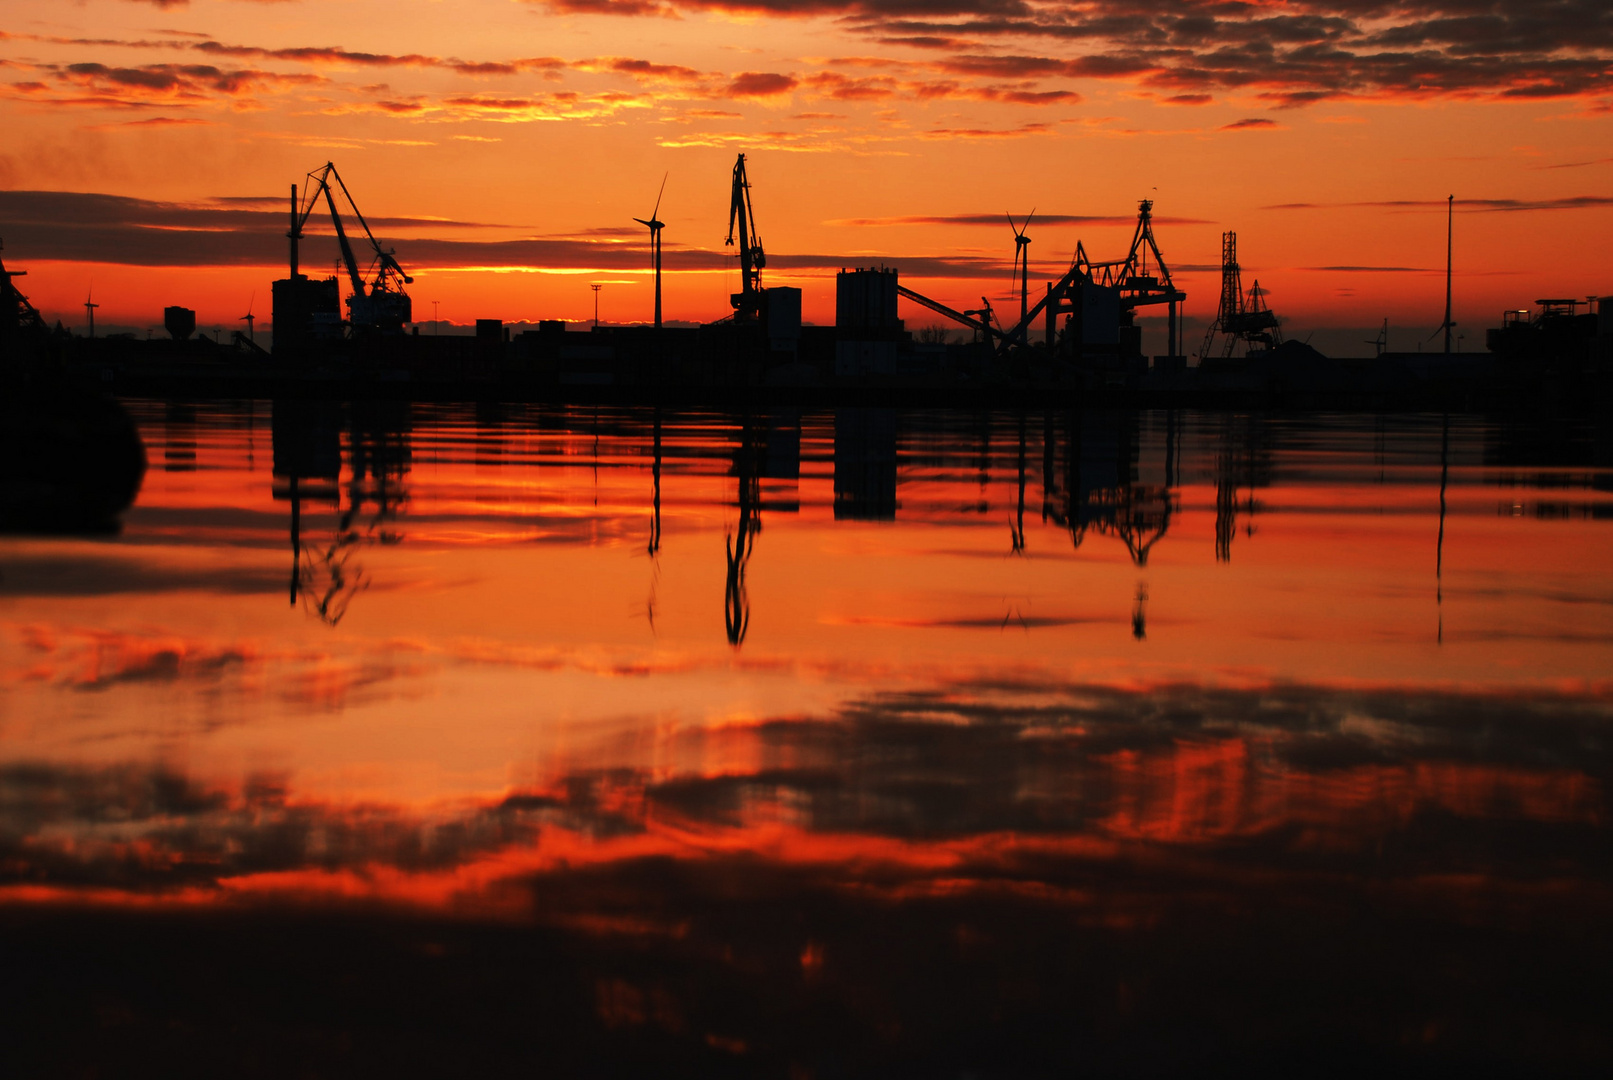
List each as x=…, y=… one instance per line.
x=1448, y=325
x=89, y=308
x=250, y=319
x=1022, y=257
x=655, y=225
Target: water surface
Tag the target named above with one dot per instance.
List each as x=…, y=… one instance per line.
x=819, y=743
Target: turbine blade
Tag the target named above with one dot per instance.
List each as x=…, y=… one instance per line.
x=656, y=213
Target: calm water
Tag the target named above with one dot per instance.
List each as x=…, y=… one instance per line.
x=864, y=742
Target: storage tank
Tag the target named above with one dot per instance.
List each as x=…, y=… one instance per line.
x=180, y=322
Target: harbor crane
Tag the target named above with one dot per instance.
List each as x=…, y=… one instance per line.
x=1131, y=278
x=1242, y=316
x=379, y=305
x=1134, y=282
x=747, y=303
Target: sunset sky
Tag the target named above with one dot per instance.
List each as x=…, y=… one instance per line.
x=505, y=146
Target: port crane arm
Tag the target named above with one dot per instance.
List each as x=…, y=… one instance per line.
x=751, y=256
x=390, y=271
x=341, y=238
x=388, y=263
x=956, y=316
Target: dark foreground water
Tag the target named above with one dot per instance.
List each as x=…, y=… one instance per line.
x=391, y=740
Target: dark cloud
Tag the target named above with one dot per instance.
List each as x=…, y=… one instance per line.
x=624, y=65
x=1250, y=124
x=182, y=81
x=336, y=54
x=82, y=227
x=760, y=84
x=1579, y=164
x=1464, y=205
x=1019, y=132
x=1371, y=269
x=1293, y=55
x=80, y=209
x=614, y=7
x=999, y=219
x=116, y=574
x=160, y=121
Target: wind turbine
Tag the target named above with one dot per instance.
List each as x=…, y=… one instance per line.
x=1447, y=326
x=89, y=308
x=1022, y=258
x=655, y=225
x=249, y=318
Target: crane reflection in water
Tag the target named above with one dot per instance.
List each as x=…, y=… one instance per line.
x=326, y=576
x=1092, y=479
x=740, y=543
x=1099, y=476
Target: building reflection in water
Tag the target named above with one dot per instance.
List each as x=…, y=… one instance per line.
x=179, y=437
x=865, y=464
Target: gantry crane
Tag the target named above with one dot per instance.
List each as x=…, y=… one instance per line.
x=1134, y=282
x=377, y=306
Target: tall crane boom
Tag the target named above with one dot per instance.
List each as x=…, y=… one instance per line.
x=747, y=303
x=379, y=305
x=341, y=237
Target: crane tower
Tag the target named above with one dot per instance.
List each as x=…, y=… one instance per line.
x=305, y=310
x=1242, y=316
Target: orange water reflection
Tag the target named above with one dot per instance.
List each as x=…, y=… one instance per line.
x=795, y=740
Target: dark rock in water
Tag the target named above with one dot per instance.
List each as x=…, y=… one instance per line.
x=69, y=461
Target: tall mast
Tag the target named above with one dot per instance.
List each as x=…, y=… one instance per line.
x=296, y=230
